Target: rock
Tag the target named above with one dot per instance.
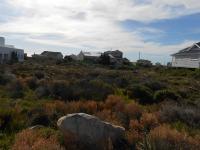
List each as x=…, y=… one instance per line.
x=90, y=128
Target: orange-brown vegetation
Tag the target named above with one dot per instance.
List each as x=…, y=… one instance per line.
x=163, y=137
x=35, y=140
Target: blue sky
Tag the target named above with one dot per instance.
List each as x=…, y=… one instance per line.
x=156, y=28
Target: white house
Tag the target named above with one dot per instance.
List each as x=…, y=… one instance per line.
x=188, y=57
x=6, y=52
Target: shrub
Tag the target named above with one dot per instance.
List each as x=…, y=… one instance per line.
x=16, y=89
x=11, y=120
x=135, y=125
x=6, y=78
x=109, y=116
x=144, y=63
x=36, y=140
x=39, y=75
x=42, y=91
x=62, y=90
x=32, y=83
x=133, y=137
x=171, y=112
x=143, y=93
x=37, y=116
x=148, y=121
x=133, y=110
x=40, y=119
x=155, y=85
x=165, y=138
x=165, y=94
x=115, y=103
x=58, y=107
x=3, y=79
x=97, y=90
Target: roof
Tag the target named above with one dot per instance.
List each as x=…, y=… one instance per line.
x=92, y=54
x=194, y=49
x=10, y=49
x=51, y=53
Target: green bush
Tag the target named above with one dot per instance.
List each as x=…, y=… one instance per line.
x=32, y=83
x=186, y=114
x=97, y=90
x=165, y=95
x=143, y=93
x=61, y=90
x=155, y=85
x=16, y=89
x=39, y=75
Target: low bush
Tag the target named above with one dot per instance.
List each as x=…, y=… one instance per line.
x=133, y=110
x=165, y=138
x=42, y=91
x=16, y=89
x=6, y=78
x=61, y=90
x=165, y=95
x=96, y=90
x=149, y=121
x=155, y=85
x=39, y=75
x=36, y=140
x=32, y=83
x=143, y=93
x=172, y=112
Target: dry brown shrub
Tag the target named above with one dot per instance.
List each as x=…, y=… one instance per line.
x=133, y=137
x=135, y=125
x=55, y=106
x=109, y=116
x=90, y=107
x=33, y=140
x=149, y=121
x=115, y=103
x=163, y=137
x=133, y=110
x=82, y=106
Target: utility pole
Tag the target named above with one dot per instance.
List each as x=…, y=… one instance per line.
x=139, y=55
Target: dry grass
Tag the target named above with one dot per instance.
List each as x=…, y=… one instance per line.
x=34, y=140
x=163, y=137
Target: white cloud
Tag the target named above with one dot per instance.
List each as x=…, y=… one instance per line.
x=94, y=23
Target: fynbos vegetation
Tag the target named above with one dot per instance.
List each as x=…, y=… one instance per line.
x=157, y=106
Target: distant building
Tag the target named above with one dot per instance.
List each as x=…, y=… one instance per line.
x=108, y=57
x=114, y=54
x=49, y=55
x=8, y=52
x=144, y=63
x=188, y=57
x=93, y=56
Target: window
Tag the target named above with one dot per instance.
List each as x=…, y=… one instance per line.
x=5, y=57
x=1, y=57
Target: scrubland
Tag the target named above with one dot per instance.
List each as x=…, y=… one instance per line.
x=159, y=107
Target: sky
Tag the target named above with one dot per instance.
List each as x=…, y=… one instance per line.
x=155, y=28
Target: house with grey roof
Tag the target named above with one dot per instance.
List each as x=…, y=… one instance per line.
x=188, y=57
x=49, y=55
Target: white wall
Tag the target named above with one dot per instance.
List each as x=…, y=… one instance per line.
x=2, y=41
x=186, y=62
x=8, y=51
